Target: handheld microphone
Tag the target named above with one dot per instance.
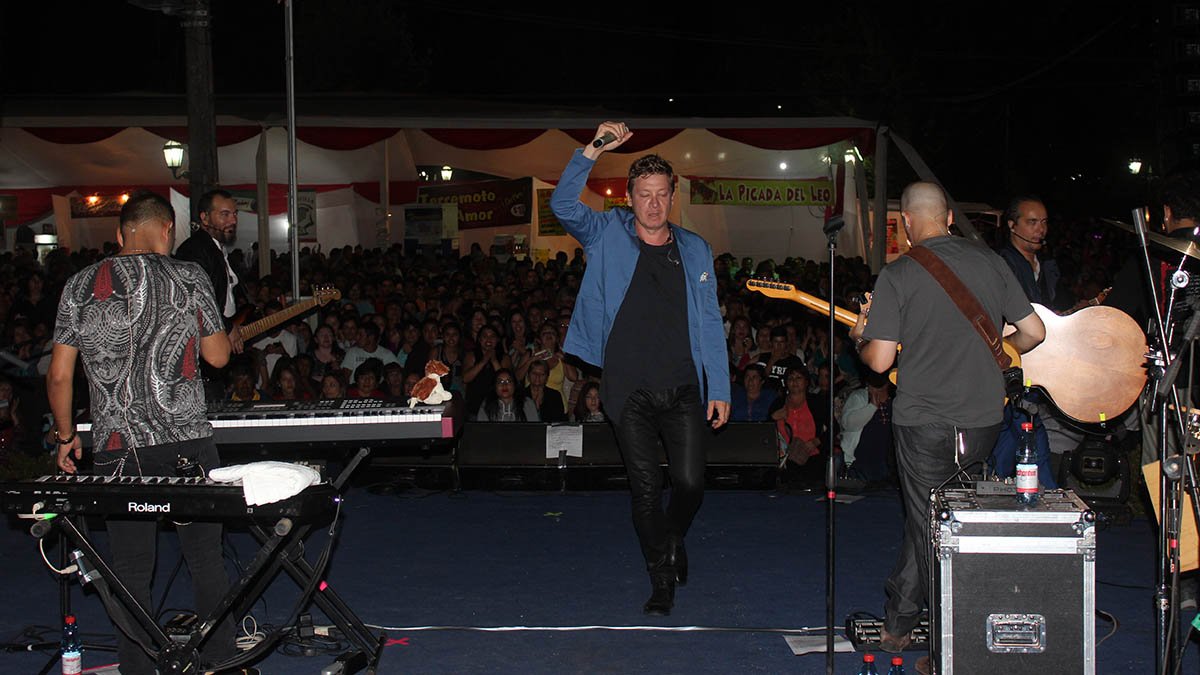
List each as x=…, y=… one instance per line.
x=605, y=139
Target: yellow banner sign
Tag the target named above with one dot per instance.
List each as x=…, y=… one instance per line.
x=751, y=192
x=548, y=225
x=611, y=202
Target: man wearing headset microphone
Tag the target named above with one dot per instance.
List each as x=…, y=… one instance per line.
x=1038, y=275
x=141, y=322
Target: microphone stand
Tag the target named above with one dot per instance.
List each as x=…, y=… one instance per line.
x=1172, y=465
x=831, y=229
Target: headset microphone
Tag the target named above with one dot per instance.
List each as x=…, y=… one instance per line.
x=1032, y=241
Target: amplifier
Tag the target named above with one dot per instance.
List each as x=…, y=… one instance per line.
x=1013, y=588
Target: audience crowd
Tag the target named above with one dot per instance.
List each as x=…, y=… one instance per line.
x=499, y=327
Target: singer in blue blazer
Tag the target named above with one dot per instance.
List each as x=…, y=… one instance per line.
x=647, y=313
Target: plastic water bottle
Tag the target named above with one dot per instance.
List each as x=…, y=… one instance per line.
x=868, y=666
x=72, y=647
x=1027, y=471
x=897, y=666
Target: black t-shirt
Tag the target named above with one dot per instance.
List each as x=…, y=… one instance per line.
x=649, y=346
x=777, y=373
x=946, y=371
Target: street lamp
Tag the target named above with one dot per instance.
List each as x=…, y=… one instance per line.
x=173, y=153
x=1135, y=166
x=447, y=172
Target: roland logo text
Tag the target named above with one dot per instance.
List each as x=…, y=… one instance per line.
x=146, y=507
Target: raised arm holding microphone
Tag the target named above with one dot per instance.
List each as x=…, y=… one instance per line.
x=647, y=314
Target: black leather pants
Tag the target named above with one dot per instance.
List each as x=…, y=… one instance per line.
x=677, y=417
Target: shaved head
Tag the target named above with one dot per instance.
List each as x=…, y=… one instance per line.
x=925, y=212
x=926, y=200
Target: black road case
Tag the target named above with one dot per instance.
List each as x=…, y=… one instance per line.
x=1013, y=587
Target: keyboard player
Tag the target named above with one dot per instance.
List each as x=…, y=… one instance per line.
x=140, y=322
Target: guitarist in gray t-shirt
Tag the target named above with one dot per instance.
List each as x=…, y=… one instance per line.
x=950, y=391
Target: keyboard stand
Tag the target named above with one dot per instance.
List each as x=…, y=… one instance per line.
x=280, y=548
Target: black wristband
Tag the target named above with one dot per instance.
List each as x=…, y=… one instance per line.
x=68, y=439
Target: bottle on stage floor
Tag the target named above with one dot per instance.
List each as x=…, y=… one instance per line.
x=897, y=666
x=72, y=647
x=868, y=666
x=1027, y=471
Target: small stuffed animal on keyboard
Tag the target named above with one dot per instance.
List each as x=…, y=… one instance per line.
x=429, y=389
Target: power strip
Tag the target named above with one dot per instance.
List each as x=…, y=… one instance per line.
x=864, y=634
x=995, y=488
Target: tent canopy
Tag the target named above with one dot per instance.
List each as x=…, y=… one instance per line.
x=56, y=150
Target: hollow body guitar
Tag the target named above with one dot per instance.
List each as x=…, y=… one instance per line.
x=1091, y=364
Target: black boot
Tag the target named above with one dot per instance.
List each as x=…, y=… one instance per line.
x=677, y=558
x=662, y=593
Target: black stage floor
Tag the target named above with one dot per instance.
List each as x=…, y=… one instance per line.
x=487, y=581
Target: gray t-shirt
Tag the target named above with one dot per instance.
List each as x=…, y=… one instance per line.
x=137, y=322
x=946, y=371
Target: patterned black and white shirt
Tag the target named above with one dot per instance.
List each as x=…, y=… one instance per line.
x=137, y=322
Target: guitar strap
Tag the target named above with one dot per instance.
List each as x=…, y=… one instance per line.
x=965, y=300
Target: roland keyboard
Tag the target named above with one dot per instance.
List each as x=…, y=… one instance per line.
x=156, y=497
x=338, y=421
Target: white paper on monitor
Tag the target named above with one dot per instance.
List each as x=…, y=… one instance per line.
x=564, y=438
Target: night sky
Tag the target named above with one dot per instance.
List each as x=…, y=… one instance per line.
x=1050, y=97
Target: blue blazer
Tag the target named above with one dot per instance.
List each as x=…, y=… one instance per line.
x=610, y=241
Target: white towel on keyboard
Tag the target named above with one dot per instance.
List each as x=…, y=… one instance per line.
x=267, y=482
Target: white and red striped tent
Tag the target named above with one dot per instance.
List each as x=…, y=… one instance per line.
x=351, y=161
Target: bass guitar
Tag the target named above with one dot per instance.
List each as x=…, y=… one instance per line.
x=321, y=295
x=1091, y=365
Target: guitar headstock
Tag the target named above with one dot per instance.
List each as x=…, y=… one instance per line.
x=772, y=288
x=325, y=293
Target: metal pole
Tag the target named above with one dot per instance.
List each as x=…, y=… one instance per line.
x=830, y=471
x=385, y=196
x=263, y=191
x=293, y=226
x=878, y=253
x=202, y=121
